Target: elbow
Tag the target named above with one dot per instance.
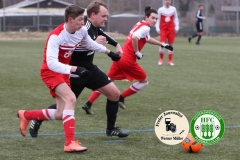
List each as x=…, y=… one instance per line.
x=50, y=65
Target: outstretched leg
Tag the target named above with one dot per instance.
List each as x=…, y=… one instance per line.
x=35, y=124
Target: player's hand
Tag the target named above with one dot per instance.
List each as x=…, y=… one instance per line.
x=139, y=55
x=119, y=50
x=167, y=46
x=101, y=40
x=114, y=56
x=81, y=71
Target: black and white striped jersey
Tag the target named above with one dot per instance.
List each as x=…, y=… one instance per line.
x=199, y=16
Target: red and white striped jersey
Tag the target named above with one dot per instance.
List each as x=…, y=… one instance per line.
x=140, y=30
x=167, y=19
x=60, y=46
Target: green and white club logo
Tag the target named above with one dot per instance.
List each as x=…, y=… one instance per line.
x=207, y=127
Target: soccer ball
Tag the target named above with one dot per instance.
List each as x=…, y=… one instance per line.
x=190, y=145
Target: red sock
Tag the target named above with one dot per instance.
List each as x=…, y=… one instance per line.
x=68, y=125
x=37, y=115
x=170, y=57
x=94, y=95
x=161, y=55
x=127, y=92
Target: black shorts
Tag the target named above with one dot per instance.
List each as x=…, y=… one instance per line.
x=95, y=80
x=199, y=26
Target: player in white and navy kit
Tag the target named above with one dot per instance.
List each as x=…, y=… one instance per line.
x=96, y=80
x=55, y=71
x=199, y=25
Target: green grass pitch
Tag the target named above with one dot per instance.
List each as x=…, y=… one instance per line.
x=205, y=76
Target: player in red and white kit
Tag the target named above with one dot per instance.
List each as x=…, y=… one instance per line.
x=167, y=26
x=127, y=67
x=55, y=72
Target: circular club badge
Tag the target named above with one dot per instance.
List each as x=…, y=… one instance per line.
x=171, y=127
x=207, y=127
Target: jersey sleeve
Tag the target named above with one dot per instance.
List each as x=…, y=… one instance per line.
x=52, y=54
x=198, y=15
x=176, y=21
x=90, y=44
x=143, y=32
x=109, y=39
x=158, y=21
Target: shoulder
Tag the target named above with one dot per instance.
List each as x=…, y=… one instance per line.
x=88, y=24
x=56, y=33
x=173, y=8
x=143, y=29
x=160, y=8
x=58, y=30
x=83, y=30
x=81, y=33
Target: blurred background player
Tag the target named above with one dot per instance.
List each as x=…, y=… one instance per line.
x=199, y=25
x=167, y=26
x=96, y=80
x=127, y=67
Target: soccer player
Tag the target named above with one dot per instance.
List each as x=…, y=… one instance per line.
x=55, y=71
x=167, y=26
x=199, y=25
x=127, y=67
x=96, y=80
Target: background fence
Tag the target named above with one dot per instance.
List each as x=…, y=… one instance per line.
x=222, y=16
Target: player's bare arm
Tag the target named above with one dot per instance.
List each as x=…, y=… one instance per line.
x=119, y=50
x=135, y=43
x=155, y=42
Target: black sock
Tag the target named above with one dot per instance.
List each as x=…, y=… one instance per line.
x=53, y=106
x=121, y=99
x=195, y=35
x=111, y=110
x=89, y=104
x=199, y=38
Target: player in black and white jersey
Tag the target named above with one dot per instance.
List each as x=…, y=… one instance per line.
x=96, y=80
x=199, y=25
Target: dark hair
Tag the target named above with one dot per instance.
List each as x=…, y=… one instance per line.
x=149, y=10
x=73, y=11
x=94, y=7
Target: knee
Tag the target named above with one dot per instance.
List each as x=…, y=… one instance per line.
x=114, y=96
x=71, y=102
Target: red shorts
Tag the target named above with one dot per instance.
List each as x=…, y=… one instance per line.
x=167, y=36
x=126, y=69
x=53, y=79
